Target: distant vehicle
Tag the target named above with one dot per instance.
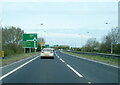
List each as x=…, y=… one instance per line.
x=47, y=53
x=60, y=49
x=52, y=49
x=68, y=50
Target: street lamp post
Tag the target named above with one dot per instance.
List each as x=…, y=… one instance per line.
x=111, y=38
x=90, y=35
x=41, y=44
x=41, y=33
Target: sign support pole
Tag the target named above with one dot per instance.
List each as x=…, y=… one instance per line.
x=24, y=50
x=30, y=50
x=41, y=47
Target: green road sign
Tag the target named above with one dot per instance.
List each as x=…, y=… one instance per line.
x=29, y=41
x=47, y=46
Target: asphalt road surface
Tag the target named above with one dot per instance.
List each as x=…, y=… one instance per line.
x=63, y=69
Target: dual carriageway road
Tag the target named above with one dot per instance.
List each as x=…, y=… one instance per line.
x=63, y=68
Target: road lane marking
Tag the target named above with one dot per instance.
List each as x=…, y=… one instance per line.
x=62, y=60
x=69, y=66
x=74, y=71
x=92, y=60
x=57, y=55
x=19, y=61
x=89, y=82
x=17, y=68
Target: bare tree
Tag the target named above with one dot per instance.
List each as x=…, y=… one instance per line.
x=12, y=35
x=115, y=35
x=91, y=45
x=40, y=39
x=111, y=41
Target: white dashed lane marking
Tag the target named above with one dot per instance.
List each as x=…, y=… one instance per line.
x=77, y=73
x=62, y=60
x=74, y=71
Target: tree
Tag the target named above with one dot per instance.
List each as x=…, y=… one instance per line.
x=11, y=38
x=12, y=35
x=91, y=45
x=116, y=35
x=111, y=39
x=40, y=39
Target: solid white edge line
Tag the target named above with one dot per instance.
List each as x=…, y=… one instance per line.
x=93, y=60
x=17, y=68
x=74, y=71
x=17, y=61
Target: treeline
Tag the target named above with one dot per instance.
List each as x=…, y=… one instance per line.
x=61, y=47
x=110, y=42
x=11, y=40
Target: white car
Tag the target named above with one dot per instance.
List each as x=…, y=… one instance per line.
x=47, y=53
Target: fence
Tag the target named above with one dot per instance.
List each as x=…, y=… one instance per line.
x=97, y=54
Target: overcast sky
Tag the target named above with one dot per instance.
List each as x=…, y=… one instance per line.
x=65, y=23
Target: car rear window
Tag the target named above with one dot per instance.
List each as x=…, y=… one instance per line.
x=47, y=49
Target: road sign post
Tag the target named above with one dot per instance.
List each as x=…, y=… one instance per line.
x=24, y=50
x=3, y=54
x=41, y=44
x=35, y=49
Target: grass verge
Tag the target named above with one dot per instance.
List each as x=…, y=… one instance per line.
x=11, y=59
x=112, y=61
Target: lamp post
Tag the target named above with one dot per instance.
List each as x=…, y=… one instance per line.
x=90, y=35
x=41, y=33
x=111, y=38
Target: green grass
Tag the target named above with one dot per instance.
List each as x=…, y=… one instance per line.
x=112, y=61
x=10, y=59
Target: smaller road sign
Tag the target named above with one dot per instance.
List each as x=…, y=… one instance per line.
x=42, y=43
x=3, y=53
